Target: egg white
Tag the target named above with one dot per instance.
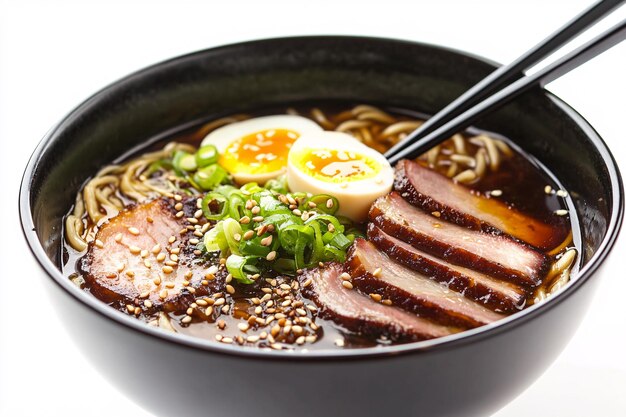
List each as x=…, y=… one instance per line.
x=355, y=196
x=224, y=136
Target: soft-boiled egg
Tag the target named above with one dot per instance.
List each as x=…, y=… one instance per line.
x=255, y=150
x=337, y=164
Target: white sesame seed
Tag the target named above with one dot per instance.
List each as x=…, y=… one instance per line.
x=345, y=276
x=561, y=212
x=377, y=272
x=496, y=193
x=271, y=256
x=561, y=193
x=347, y=284
x=118, y=237
x=133, y=231
x=230, y=289
x=547, y=189
x=243, y=327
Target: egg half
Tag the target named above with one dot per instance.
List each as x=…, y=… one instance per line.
x=337, y=164
x=256, y=150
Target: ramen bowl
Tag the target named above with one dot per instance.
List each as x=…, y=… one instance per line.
x=472, y=373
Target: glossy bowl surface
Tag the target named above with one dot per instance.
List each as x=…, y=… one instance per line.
x=473, y=373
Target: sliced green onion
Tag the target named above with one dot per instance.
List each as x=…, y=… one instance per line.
x=184, y=162
x=242, y=266
x=278, y=185
x=232, y=228
x=214, y=206
x=207, y=155
x=214, y=239
x=210, y=176
x=340, y=241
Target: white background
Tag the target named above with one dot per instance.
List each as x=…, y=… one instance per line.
x=55, y=54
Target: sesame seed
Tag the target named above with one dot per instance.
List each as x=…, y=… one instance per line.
x=194, y=241
x=147, y=263
x=172, y=239
x=243, y=327
x=135, y=250
x=305, y=216
x=144, y=253
x=130, y=308
x=561, y=212
x=244, y=220
x=191, y=290
x=229, y=278
x=285, y=287
x=219, y=337
x=307, y=282
x=377, y=272
x=149, y=219
x=163, y=294
x=227, y=340
x=496, y=193
x=436, y=214
x=99, y=243
x=237, y=237
x=276, y=346
x=248, y=235
x=225, y=309
x=560, y=193
x=300, y=340
x=347, y=284
x=130, y=274
x=133, y=231
x=230, y=289
x=168, y=269
x=174, y=257
x=330, y=203
x=144, y=294
x=547, y=189
x=120, y=267
x=219, y=302
x=311, y=339
x=177, y=197
x=312, y=204
x=376, y=297
x=297, y=212
x=209, y=311
x=160, y=257
x=331, y=227
x=267, y=241
x=257, y=219
x=170, y=285
x=252, y=339
x=345, y=276
x=387, y=302
x=147, y=303
x=197, y=214
x=339, y=342
x=255, y=210
x=189, y=311
x=118, y=237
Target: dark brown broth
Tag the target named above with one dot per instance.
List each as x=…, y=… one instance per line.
x=520, y=178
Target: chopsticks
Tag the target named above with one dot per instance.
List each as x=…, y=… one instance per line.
x=480, y=99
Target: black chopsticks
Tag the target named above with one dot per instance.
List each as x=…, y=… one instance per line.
x=480, y=99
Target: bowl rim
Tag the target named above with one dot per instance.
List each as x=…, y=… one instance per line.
x=469, y=336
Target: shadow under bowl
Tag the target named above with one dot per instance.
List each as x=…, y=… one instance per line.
x=473, y=373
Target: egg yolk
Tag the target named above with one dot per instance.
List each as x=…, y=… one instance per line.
x=337, y=165
x=259, y=152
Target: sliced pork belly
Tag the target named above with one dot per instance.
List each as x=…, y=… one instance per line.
x=359, y=313
x=500, y=296
x=373, y=272
x=433, y=192
x=496, y=255
x=143, y=254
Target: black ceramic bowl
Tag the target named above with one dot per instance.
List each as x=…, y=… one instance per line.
x=473, y=373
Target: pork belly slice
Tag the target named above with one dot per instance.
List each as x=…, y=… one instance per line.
x=433, y=192
x=373, y=271
x=359, y=313
x=500, y=296
x=129, y=262
x=495, y=255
